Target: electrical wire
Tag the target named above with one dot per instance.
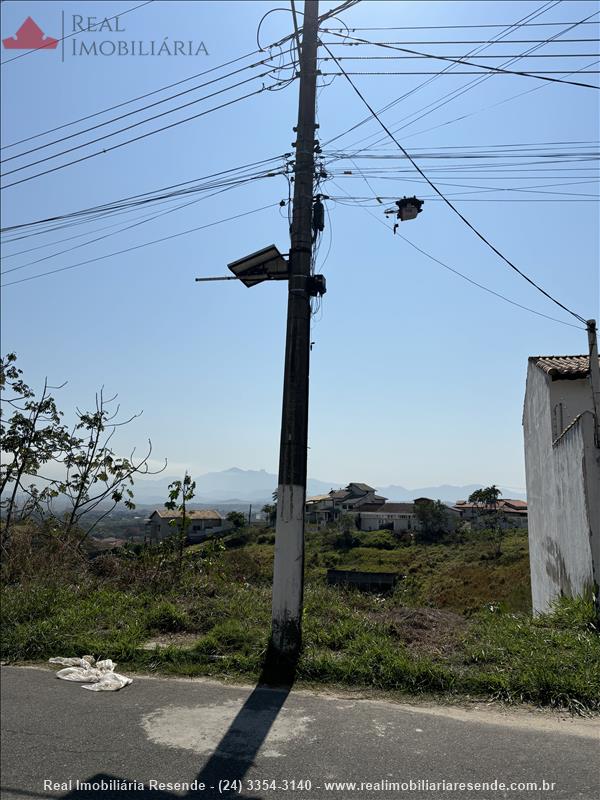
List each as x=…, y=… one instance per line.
x=500, y=70
x=435, y=105
x=134, y=225
x=474, y=51
x=363, y=42
x=470, y=280
x=139, y=246
x=127, y=102
x=424, y=55
x=448, y=27
x=133, y=125
x=137, y=198
x=453, y=207
x=138, y=111
x=136, y=138
x=541, y=75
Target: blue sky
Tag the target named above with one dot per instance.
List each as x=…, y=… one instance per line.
x=417, y=377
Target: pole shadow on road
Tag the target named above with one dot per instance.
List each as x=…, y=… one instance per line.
x=231, y=759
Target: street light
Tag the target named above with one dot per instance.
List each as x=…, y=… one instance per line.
x=265, y=265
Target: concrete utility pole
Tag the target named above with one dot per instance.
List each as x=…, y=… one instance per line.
x=288, y=574
x=594, y=375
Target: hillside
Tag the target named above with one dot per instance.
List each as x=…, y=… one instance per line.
x=458, y=622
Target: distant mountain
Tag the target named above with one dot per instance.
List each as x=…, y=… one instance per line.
x=233, y=485
x=237, y=485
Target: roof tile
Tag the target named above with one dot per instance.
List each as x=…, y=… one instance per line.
x=563, y=366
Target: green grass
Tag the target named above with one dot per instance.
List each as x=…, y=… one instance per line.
x=458, y=624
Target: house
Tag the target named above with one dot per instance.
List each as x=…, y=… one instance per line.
x=202, y=523
x=371, y=511
x=327, y=508
x=393, y=516
x=562, y=464
x=513, y=512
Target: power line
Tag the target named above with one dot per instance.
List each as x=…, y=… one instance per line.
x=474, y=51
x=136, y=138
x=131, y=202
x=485, y=71
x=134, y=197
x=453, y=207
x=448, y=27
x=68, y=36
x=139, y=246
x=471, y=280
x=484, y=108
x=500, y=70
x=502, y=55
x=133, y=100
x=138, y=111
x=133, y=225
x=363, y=42
x=134, y=124
x=435, y=105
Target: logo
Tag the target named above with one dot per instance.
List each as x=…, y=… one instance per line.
x=30, y=37
x=85, y=39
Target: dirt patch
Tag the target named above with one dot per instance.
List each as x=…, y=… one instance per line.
x=184, y=641
x=427, y=630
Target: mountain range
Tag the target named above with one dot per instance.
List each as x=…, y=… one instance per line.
x=257, y=486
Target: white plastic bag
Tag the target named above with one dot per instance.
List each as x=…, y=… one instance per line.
x=79, y=674
x=109, y=682
x=83, y=662
x=99, y=676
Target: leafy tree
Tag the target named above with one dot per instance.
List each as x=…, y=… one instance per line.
x=95, y=475
x=488, y=497
x=180, y=494
x=237, y=519
x=89, y=478
x=433, y=518
x=33, y=436
x=488, y=500
x=270, y=511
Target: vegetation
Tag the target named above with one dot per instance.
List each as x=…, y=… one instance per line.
x=488, y=498
x=433, y=518
x=237, y=519
x=180, y=494
x=458, y=623
x=66, y=479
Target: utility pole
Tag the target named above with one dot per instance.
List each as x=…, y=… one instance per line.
x=288, y=573
x=594, y=376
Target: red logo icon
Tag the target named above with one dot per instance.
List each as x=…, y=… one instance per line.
x=30, y=37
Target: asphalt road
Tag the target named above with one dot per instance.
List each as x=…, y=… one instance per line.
x=273, y=744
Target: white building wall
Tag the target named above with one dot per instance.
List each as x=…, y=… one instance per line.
x=572, y=567
x=560, y=493
x=375, y=521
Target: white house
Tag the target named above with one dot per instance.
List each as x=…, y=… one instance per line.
x=325, y=508
x=202, y=523
x=393, y=516
x=562, y=463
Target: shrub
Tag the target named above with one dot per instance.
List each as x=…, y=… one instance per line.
x=380, y=540
x=167, y=618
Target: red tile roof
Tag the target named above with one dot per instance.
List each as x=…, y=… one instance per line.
x=563, y=366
